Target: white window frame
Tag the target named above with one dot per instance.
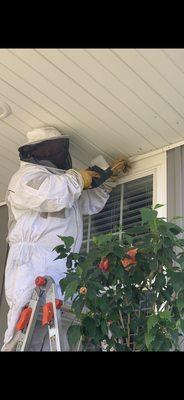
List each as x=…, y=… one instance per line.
x=155, y=165
x=151, y=164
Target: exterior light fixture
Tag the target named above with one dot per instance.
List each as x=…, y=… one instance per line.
x=5, y=110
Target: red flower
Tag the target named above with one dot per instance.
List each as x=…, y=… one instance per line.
x=104, y=264
x=132, y=253
x=130, y=261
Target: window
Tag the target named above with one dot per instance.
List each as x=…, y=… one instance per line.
x=122, y=208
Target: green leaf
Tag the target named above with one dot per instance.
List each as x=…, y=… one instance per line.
x=114, y=315
x=104, y=327
x=102, y=240
x=160, y=281
x=59, y=257
x=161, y=343
x=63, y=284
x=78, y=305
x=166, y=296
x=174, y=336
x=91, y=293
x=138, y=276
x=180, y=304
x=136, y=230
x=68, y=240
x=119, y=272
x=165, y=315
x=70, y=277
x=149, y=337
x=75, y=256
x=59, y=249
x=117, y=250
x=99, y=336
x=175, y=229
x=177, y=217
x=128, y=238
x=103, y=304
x=163, y=227
x=98, y=285
x=151, y=322
x=74, y=334
x=167, y=242
x=148, y=215
x=181, y=258
x=158, y=206
x=116, y=330
x=120, y=347
x=79, y=271
x=85, y=265
x=89, y=325
x=182, y=325
x=177, y=280
x=71, y=289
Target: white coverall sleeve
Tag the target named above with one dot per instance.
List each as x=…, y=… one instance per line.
x=47, y=192
x=92, y=201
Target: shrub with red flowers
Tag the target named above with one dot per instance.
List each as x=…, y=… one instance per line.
x=128, y=294
x=104, y=264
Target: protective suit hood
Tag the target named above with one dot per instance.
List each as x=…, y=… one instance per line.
x=48, y=147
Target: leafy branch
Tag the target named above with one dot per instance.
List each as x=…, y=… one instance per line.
x=128, y=294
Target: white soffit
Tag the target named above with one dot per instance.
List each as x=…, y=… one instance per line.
x=110, y=101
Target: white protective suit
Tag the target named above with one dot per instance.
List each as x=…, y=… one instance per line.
x=43, y=202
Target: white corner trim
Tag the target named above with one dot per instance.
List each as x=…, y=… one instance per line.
x=2, y=203
x=161, y=187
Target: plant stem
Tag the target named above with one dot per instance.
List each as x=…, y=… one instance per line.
x=121, y=319
x=128, y=327
x=79, y=344
x=123, y=325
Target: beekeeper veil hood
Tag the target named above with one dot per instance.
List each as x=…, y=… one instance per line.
x=47, y=146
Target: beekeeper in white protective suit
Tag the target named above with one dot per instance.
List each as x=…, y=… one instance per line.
x=45, y=198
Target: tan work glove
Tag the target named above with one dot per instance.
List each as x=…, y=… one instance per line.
x=87, y=177
x=121, y=165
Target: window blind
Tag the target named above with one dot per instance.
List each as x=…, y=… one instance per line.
x=122, y=208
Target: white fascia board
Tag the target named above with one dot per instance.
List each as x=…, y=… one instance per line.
x=155, y=152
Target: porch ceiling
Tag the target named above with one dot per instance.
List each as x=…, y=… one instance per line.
x=110, y=101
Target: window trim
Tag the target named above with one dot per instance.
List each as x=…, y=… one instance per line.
x=155, y=165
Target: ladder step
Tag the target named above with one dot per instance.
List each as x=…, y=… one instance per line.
x=24, y=318
x=48, y=313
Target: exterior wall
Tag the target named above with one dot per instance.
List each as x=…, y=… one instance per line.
x=175, y=183
x=175, y=190
x=3, y=250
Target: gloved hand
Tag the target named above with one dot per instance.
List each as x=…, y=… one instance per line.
x=121, y=165
x=118, y=166
x=87, y=177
